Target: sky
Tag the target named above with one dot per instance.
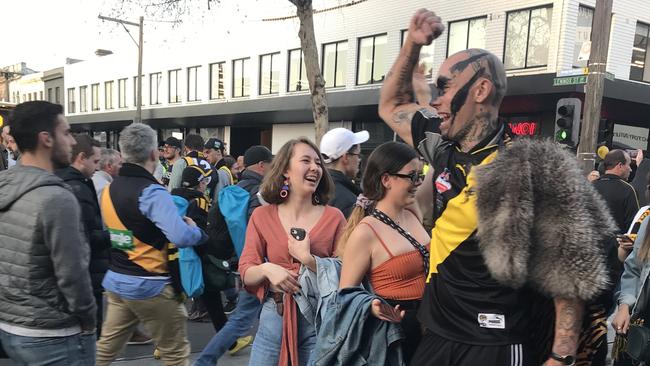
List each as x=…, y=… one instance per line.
x=43, y=33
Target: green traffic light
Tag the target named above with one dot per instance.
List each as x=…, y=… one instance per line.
x=562, y=135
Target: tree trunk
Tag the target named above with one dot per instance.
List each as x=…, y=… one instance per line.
x=316, y=83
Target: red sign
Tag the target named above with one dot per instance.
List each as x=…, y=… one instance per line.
x=525, y=128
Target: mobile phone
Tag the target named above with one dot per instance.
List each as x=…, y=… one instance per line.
x=624, y=237
x=632, y=153
x=298, y=233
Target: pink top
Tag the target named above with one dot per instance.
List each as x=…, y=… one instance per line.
x=266, y=240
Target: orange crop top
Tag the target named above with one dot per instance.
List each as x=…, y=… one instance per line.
x=399, y=278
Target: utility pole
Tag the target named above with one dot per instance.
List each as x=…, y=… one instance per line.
x=595, y=84
x=138, y=110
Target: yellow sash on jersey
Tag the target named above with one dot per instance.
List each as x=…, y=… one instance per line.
x=139, y=252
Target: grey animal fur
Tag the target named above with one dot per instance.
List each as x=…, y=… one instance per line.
x=541, y=222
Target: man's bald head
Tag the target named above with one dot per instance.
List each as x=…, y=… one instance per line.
x=473, y=64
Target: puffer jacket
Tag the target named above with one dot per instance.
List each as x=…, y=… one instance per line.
x=91, y=217
x=44, y=280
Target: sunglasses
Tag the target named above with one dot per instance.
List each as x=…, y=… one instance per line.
x=414, y=177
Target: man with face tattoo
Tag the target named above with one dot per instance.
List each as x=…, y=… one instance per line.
x=470, y=318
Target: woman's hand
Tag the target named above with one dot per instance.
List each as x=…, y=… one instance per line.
x=281, y=278
x=301, y=251
x=385, y=312
x=621, y=321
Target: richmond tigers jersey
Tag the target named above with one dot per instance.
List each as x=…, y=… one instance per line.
x=462, y=302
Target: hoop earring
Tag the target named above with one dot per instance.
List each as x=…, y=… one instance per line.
x=284, y=191
x=315, y=199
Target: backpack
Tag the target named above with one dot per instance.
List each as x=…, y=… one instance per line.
x=227, y=236
x=189, y=263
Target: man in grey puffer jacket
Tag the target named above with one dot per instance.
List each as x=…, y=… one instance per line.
x=47, y=308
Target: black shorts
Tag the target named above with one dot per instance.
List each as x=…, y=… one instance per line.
x=437, y=351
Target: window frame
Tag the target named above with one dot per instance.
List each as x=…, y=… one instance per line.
x=72, y=107
x=83, y=97
x=221, y=79
x=300, y=71
x=243, y=78
x=151, y=87
x=176, y=97
x=647, y=49
x=468, y=20
x=196, y=69
x=121, y=95
x=108, y=96
x=336, y=59
x=372, y=69
x=505, y=38
x=94, y=104
x=259, y=74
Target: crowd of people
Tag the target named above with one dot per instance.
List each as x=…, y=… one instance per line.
x=500, y=252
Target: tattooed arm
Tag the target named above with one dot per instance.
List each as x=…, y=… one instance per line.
x=396, y=105
x=568, y=323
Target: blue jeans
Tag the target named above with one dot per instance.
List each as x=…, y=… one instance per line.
x=76, y=350
x=266, y=347
x=239, y=323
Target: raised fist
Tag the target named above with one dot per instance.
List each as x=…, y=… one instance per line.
x=425, y=27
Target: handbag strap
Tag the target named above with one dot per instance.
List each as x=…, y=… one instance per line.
x=388, y=221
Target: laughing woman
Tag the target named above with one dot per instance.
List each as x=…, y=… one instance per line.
x=297, y=188
x=385, y=240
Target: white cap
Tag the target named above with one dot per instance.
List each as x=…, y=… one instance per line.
x=339, y=141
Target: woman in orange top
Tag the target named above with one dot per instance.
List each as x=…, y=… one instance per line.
x=297, y=188
x=385, y=240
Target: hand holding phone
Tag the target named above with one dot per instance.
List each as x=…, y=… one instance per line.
x=625, y=242
x=298, y=233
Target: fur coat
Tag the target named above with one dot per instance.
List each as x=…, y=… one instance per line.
x=541, y=222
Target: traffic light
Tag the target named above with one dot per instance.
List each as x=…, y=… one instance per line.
x=567, y=121
x=605, y=133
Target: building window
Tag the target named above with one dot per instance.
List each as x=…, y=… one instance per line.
x=121, y=93
x=269, y=74
x=193, y=83
x=83, y=102
x=108, y=95
x=334, y=63
x=583, y=35
x=639, y=69
x=216, y=80
x=40, y=94
x=49, y=95
x=371, y=59
x=174, y=95
x=135, y=91
x=240, y=78
x=466, y=34
x=426, y=56
x=528, y=33
x=71, y=103
x=297, y=80
x=155, y=79
x=57, y=95
x=94, y=97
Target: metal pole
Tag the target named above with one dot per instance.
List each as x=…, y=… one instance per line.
x=138, y=113
x=595, y=84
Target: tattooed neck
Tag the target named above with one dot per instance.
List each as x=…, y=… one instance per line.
x=476, y=130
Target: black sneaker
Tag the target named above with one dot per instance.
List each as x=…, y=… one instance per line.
x=229, y=307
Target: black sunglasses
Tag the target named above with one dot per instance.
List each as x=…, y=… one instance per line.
x=415, y=177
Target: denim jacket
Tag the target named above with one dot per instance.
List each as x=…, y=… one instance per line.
x=346, y=331
x=635, y=274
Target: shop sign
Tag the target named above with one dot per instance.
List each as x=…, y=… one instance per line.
x=524, y=128
x=635, y=137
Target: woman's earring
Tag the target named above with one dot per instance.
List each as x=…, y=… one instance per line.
x=284, y=191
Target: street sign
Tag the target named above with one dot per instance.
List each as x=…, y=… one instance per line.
x=573, y=72
x=570, y=80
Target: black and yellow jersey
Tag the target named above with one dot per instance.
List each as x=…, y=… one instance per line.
x=462, y=302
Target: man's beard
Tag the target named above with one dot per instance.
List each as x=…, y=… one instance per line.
x=60, y=159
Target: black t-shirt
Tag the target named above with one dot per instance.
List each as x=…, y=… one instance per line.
x=462, y=302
